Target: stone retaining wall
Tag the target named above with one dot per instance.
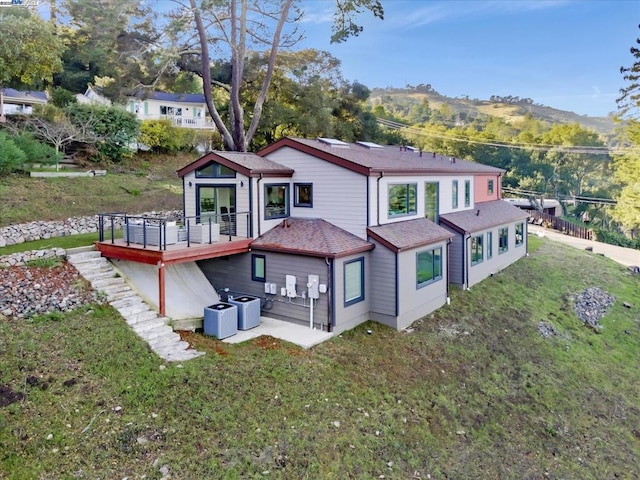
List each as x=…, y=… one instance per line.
x=21, y=258
x=27, y=232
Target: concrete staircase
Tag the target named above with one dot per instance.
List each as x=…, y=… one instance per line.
x=145, y=322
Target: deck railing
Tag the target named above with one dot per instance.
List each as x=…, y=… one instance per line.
x=561, y=225
x=158, y=231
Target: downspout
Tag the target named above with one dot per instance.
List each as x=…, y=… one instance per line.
x=378, y=198
x=499, y=186
x=329, y=290
x=448, y=271
x=465, y=249
x=397, y=293
x=250, y=180
x=258, y=201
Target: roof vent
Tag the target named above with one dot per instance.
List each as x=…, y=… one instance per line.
x=369, y=145
x=332, y=142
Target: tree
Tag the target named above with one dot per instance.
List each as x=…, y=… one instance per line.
x=236, y=27
x=627, y=173
x=29, y=49
x=629, y=99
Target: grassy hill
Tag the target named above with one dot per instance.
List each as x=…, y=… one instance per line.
x=404, y=99
x=146, y=183
x=474, y=391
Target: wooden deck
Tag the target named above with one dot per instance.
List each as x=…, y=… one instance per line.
x=176, y=253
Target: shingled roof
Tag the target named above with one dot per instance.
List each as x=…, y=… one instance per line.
x=408, y=234
x=248, y=164
x=310, y=236
x=371, y=159
x=485, y=215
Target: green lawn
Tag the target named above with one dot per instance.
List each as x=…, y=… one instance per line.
x=473, y=392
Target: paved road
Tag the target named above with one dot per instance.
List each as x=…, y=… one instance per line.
x=625, y=256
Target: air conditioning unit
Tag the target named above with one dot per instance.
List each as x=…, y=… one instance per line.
x=220, y=320
x=248, y=311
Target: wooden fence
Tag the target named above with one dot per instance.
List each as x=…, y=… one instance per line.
x=557, y=223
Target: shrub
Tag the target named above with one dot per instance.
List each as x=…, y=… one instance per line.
x=62, y=97
x=163, y=137
x=11, y=156
x=35, y=151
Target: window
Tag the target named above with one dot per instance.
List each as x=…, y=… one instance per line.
x=467, y=193
x=353, y=281
x=489, y=187
x=175, y=111
x=258, y=268
x=476, y=250
x=428, y=267
x=503, y=242
x=402, y=199
x=215, y=170
x=431, y=201
x=489, y=245
x=303, y=195
x=519, y=234
x=454, y=194
x=276, y=201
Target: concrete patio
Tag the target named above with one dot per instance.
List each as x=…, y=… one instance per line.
x=297, y=334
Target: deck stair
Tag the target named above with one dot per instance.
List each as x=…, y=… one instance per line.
x=146, y=323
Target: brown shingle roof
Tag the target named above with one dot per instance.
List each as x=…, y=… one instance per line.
x=310, y=236
x=248, y=164
x=392, y=160
x=409, y=234
x=489, y=214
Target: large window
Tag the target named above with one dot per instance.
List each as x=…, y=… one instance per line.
x=215, y=170
x=303, y=196
x=519, y=234
x=276, y=201
x=454, y=194
x=489, y=187
x=476, y=250
x=467, y=193
x=503, y=242
x=353, y=281
x=175, y=111
x=258, y=268
x=402, y=199
x=428, y=267
x=489, y=245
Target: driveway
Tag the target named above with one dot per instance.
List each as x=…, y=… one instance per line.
x=626, y=256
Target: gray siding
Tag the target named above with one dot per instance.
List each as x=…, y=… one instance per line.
x=234, y=272
x=382, y=277
x=357, y=313
x=456, y=260
x=339, y=195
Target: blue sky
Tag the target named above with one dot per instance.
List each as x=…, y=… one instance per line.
x=565, y=54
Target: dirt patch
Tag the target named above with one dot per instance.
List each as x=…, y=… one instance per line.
x=266, y=342
x=9, y=396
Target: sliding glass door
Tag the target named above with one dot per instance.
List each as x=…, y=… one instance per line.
x=217, y=203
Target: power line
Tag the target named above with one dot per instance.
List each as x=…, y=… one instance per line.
x=563, y=198
x=523, y=146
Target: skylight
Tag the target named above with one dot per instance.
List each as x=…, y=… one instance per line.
x=332, y=142
x=369, y=144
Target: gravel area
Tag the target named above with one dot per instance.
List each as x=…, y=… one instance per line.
x=591, y=305
x=28, y=291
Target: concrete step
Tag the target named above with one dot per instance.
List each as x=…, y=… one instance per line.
x=160, y=335
x=132, y=310
x=98, y=275
x=126, y=301
x=97, y=266
x=115, y=289
x=154, y=324
x=181, y=355
x=112, y=297
x=166, y=343
x=84, y=257
x=143, y=317
x=107, y=282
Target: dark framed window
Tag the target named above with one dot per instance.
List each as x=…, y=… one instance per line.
x=166, y=110
x=489, y=245
x=519, y=234
x=454, y=194
x=215, y=170
x=303, y=195
x=353, y=281
x=428, y=267
x=276, y=201
x=476, y=249
x=467, y=193
x=490, y=187
x=503, y=240
x=402, y=199
x=258, y=268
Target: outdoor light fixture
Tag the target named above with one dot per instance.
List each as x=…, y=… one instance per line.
x=241, y=183
x=190, y=184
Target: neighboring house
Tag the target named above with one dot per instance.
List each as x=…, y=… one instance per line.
x=550, y=206
x=13, y=102
x=368, y=232
x=188, y=110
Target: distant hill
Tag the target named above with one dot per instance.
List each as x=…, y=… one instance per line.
x=400, y=102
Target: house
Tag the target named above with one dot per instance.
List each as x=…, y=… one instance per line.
x=187, y=110
x=14, y=102
x=353, y=232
